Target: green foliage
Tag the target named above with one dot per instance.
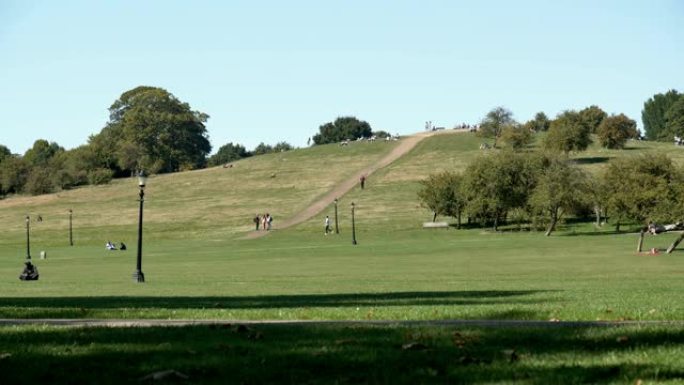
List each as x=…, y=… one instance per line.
x=516, y=136
x=282, y=147
x=40, y=181
x=615, y=130
x=100, y=176
x=674, y=118
x=41, y=152
x=4, y=152
x=227, y=153
x=493, y=124
x=262, y=148
x=493, y=185
x=644, y=188
x=559, y=190
x=150, y=128
x=653, y=115
x=441, y=193
x=382, y=134
x=540, y=122
x=13, y=173
x=343, y=128
x=568, y=133
x=592, y=117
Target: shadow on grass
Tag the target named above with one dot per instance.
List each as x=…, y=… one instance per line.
x=77, y=307
x=591, y=160
x=297, y=354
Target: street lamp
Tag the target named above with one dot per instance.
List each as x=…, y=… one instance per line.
x=353, y=226
x=71, y=237
x=28, y=239
x=337, y=229
x=138, y=275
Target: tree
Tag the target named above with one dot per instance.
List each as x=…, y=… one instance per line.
x=568, y=133
x=592, y=117
x=674, y=118
x=653, y=115
x=540, y=122
x=643, y=188
x=493, y=124
x=227, y=153
x=559, y=190
x=41, y=152
x=441, y=194
x=13, y=173
x=262, y=148
x=169, y=135
x=343, y=128
x=615, y=130
x=282, y=147
x=4, y=152
x=493, y=185
x=516, y=136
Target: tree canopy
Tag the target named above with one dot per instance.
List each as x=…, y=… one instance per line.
x=592, y=117
x=229, y=152
x=150, y=128
x=674, y=118
x=614, y=131
x=494, y=123
x=653, y=115
x=568, y=133
x=343, y=128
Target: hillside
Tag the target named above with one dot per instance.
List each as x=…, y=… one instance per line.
x=219, y=203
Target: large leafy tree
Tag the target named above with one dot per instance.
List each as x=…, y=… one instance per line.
x=568, y=133
x=41, y=152
x=540, y=122
x=559, y=189
x=516, y=136
x=150, y=128
x=494, y=123
x=496, y=184
x=615, y=130
x=343, y=128
x=653, y=115
x=674, y=118
x=644, y=188
x=592, y=117
x=441, y=193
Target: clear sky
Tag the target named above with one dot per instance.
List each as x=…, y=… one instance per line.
x=269, y=71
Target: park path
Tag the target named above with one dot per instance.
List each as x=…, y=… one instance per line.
x=497, y=324
x=405, y=145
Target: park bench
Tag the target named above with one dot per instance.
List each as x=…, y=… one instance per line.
x=435, y=225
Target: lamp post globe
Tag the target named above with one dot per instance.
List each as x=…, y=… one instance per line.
x=138, y=276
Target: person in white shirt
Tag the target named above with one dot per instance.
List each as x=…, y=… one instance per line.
x=327, y=225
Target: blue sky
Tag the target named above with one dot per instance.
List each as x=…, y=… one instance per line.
x=268, y=71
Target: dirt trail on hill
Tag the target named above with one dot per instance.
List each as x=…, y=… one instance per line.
x=316, y=207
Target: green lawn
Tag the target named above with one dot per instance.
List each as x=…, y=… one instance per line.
x=197, y=266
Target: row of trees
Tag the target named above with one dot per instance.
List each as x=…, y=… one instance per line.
x=570, y=131
x=663, y=116
x=542, y=189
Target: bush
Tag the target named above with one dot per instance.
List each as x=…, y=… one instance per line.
x=100, y=176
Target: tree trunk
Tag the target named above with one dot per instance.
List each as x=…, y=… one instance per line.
x=617, y=226
x=434, y=217
x=675, y=243
x=597, y=210
x=641, y=239
x=552, y=226
x=496, y=222
x=458, y=219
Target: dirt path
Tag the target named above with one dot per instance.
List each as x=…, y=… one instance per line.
x=498, y=324
x=316, y=207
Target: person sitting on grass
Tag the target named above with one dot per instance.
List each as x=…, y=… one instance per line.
x=30, y=272
x=110, y=246
x=122, y=246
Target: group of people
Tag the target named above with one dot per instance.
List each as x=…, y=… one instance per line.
x=111, y=246
x=263, y=220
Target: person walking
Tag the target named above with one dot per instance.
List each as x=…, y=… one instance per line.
x=327, y=225
x=363, y=181
x=256, y=221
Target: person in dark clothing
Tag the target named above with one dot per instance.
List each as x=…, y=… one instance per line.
x=123, y=246
x=30, y=272
x=363, y=181
x=256, y=220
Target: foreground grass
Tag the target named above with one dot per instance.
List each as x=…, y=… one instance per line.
x=413, y=274
x=239, y=354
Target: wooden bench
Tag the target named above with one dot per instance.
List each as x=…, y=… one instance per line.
x=435, y=225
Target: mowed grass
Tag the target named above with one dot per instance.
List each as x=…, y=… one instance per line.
x=197, y=266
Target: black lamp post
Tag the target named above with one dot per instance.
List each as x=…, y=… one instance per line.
x=353, y=226
x=28, y=239
x=71, y=237
x=337, y=229
x=138, y=275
